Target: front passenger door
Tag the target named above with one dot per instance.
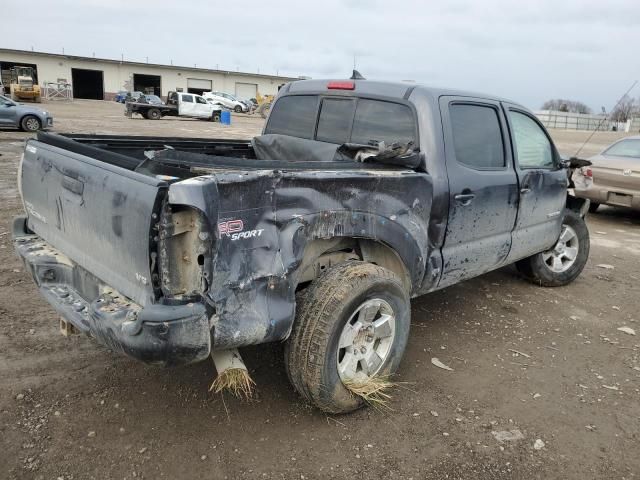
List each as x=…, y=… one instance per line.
x=542, y=185
x=202, y=108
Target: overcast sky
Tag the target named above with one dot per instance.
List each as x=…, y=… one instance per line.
x=526, y=51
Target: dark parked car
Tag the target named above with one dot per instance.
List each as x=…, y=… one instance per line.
x=358, y=196
x=24, y=117
x=154, y=100
x=122, y=97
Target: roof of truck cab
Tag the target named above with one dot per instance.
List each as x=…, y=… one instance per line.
x=387, y=89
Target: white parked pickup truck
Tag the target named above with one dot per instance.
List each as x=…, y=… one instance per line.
x=178, y=105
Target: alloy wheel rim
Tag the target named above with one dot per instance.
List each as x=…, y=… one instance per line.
x=564, y=253
x=366, y=340
x=32, y=124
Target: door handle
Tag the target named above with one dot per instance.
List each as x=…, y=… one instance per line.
x=525, y=190
x=464, y=198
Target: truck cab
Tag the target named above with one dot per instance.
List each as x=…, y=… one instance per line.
x=191, y=105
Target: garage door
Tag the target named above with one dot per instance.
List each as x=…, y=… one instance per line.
x=246, y=90
x=199, y=84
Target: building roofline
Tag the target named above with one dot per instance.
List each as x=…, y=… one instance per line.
x=143, y=64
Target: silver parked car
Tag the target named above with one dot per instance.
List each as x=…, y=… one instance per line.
x=25, y=117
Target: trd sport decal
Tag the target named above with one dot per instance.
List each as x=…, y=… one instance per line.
x=234, y=230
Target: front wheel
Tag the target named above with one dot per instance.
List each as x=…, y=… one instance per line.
x=561, y=264
x=30, y=124
x=351, y=326
x=238, y=109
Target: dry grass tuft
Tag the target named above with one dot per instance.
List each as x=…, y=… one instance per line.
x=235, y=380
x=375, y=391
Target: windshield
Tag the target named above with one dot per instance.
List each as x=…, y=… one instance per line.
x=625, y=148
x=5, y=101
x=342, y=120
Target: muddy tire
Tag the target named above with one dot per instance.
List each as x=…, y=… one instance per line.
x=154, y=114
x=593, y=207
x=561, y=264
x=343, y=300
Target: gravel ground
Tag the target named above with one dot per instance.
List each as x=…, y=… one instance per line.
x=544, y=385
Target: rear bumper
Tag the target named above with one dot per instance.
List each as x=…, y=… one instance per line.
x=159, y=334
x=609, y=196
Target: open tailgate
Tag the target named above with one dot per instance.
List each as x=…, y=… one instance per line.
x=99, y=215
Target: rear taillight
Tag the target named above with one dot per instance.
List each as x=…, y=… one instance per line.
x=587, y=172
x=341, y=85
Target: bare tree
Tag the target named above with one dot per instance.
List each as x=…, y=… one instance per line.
x=625, y=109
x=563, y=105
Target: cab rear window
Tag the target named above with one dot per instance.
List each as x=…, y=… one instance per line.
x=342, y=120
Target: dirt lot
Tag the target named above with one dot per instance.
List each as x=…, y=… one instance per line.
x=549, y=363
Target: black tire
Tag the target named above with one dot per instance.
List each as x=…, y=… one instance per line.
x=311, y=352
x=593, y=207
x=30, y=123
x=154, y=114
x=238, y=109
x=537, y=271
x=215, y=117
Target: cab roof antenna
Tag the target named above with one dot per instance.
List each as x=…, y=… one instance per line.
x=356, y=75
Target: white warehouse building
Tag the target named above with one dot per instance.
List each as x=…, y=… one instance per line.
x=101, y=79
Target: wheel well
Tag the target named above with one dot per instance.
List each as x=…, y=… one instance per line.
x=321, y=254
x=578, y=205
x=27, y=115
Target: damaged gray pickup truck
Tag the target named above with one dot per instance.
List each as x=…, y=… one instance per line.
x=358, y=196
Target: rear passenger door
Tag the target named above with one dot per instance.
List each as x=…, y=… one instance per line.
x=542, y=185
x=187, y=105
x=483, y=190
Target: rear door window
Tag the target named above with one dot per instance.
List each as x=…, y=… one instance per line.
x=477, y=136
x=334, y=123
x=187, y=98
x=294, y=115
x=377, y=121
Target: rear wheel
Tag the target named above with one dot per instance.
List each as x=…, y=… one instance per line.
x=30, y=123
x=561, y=264
x=154, y=114
x=215, y=117
x=593, y=207
x=351, y=326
